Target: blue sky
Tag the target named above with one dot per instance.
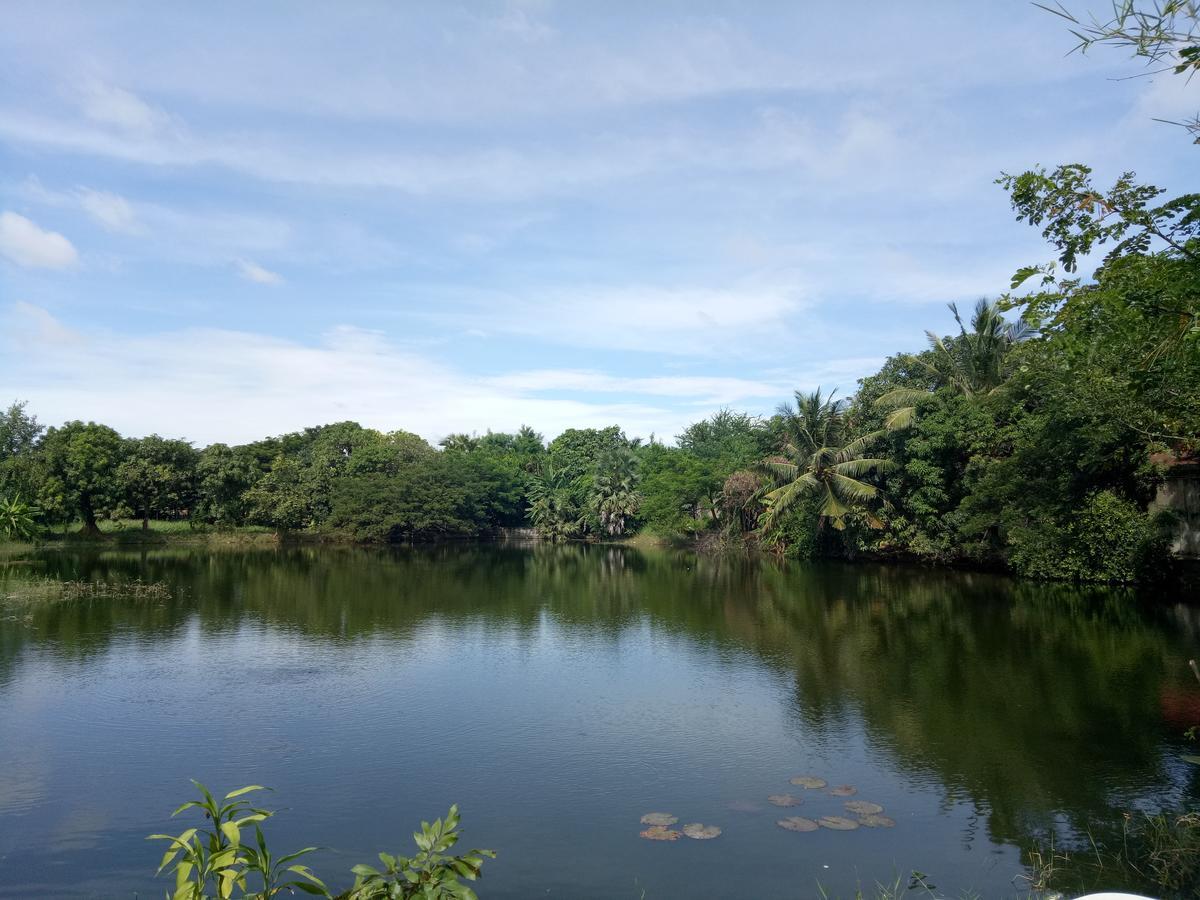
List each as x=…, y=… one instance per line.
x=221, y=221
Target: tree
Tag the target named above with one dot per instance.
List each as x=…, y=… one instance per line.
x=19, y=434
x=818, y=459
x=679, y=490
x=280, y=498
x=556, y=503
x=972, y=363
x=158, y=477
x=614, y=496
x=729, y=440
x=81, y=463
x=224, y=475
x=1166, y=35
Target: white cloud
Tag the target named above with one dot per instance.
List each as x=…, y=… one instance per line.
x=705, y=321
x=215, y=385
x=252, y=271
x=114, y=106
x=110, y=210
x=703, y=390
x=25, y=244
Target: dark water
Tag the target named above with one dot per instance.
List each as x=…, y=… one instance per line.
x=557, y=694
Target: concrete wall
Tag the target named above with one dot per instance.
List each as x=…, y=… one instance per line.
x=1180, y=494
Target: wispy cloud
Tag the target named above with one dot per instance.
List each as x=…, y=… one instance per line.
x=252, y=271
x=26, y=244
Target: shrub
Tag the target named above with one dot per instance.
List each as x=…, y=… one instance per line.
x=1110, y=539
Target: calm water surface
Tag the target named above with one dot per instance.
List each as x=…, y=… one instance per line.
x=558, y=693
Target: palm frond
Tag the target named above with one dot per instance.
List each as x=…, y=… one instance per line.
x=902, y=397
x=852, y=489
x=901, y=418
x=864, y=465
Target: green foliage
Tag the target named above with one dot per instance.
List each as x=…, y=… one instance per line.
x=431, y=873
x=818, y=458
x=216, y=859
x=224, y=476
x=680, y=491
x=614, y=496
x=1165, y=34
x=426, y=499
x=1109, y=539
x=17, y=521
x=213, y=861
x=556, y=503
x=157, y=477
x=1076, y=217
x=80, y=464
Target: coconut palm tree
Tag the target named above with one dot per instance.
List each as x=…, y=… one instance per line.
x=816, y=459
x=972, y=363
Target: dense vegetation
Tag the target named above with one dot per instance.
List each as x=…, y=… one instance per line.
x=1023, y=440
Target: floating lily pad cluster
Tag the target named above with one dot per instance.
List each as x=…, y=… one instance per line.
x=861, y=813
x=865, y=813
x=660, y=829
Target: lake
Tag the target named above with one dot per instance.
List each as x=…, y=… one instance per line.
x=557, y=694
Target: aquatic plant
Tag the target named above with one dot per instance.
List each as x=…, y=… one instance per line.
x=658, y=818
x=797, y=823
x=837, y=823
x=660, y=833
x=213, y=860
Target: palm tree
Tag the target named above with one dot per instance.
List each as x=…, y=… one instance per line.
x=972, y=363
x=554, y=506
x=817, y=460
x=614, y=490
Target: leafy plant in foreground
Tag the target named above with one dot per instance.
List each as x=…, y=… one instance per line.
x=214, y=861
x=215, y=856
x=16, y=519
x=431, y=873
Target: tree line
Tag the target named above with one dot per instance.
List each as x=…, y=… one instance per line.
x=1025, y=439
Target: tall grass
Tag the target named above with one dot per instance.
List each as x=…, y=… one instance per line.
x=52, y=590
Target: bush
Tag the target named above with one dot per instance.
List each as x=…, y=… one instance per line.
x=1110, y=539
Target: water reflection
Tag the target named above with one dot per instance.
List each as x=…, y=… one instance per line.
x=1016, y=707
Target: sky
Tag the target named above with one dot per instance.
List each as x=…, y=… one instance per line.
x=224, y=221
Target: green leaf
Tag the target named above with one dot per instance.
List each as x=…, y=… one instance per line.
x=364, y=871
x=245, y=790
x=232, y=833
x=1191, y=758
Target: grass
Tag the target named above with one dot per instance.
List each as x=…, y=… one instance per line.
x=52, y=590
x=918, y=885
x=1157, y=855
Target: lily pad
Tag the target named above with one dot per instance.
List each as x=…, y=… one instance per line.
x=660, y=819
x=863, y=807
x=877, y=821
x=797, y=823
x=808, y=781
x=785, y=800
x=843, y=790
x=1191, y=758
x=659, y=833
x=698, y=832
x=837, y=823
